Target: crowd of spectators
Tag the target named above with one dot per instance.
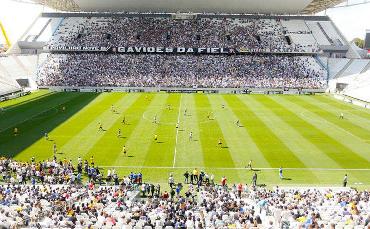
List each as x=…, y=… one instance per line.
x=120, y=205
x=190, y=71
x=201, y=71
x=167, y=32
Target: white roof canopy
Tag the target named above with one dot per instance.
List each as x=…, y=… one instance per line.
x=195, y=6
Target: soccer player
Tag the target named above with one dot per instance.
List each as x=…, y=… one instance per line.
x=124, y=120
x=155, y=119
x=124, y=151
x=281, y=173
x=119, y=133
x=185, y=111
x=190, y=136
x=100, y=126
x=177, y=125
x=46, y=136
x=92, y=160
x=15, y=131
x=155, y=137
x=341, y=116
x=223, y=106
x=112, y=108
x=63, y=108
x=220, y=142
x=237, y=123
x=250, y=164
x=209, y=115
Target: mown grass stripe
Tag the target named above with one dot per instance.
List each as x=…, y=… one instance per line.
x=351, y=143
x=161, y=152
x=189, y=153
x=344, y=106
x=139, y=133
x=290, y=132
x=90, y=134
x=333, y=117
x=113, y=143
x=210, y=132
x=350, y=117
x=82, y=126
x=72, y=127
x=318, y=139
x=241, y=146
x=273, y=149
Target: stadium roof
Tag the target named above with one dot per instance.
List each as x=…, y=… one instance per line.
x=195, y=6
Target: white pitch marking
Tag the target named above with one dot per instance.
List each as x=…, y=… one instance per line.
x=177, y=133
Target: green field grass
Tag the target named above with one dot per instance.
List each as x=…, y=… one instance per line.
x=303, y=134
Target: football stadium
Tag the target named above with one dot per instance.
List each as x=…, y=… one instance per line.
x=184, y=114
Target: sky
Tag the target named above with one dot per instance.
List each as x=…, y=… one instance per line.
x=17, y=17
x=352, y=21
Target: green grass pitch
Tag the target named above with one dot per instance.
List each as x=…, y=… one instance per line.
x=303, y=134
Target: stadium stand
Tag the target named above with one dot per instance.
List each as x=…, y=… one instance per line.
x=14, y=68
x=8, y=84
x=358, y=84
x=336, y=65
x=19, y=66
x=356, y=66
x=272, y=35
x=42, y=29
x=297, y=35
x=8, y=87
x=300, y=34
x=207, y=32
x=204, y=71
x=318, y=33
x=332, y=34
x=50, y=194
